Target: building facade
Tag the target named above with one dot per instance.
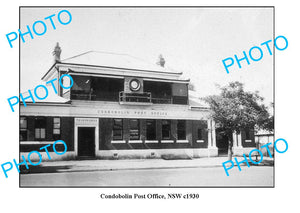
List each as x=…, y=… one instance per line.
x=119, y=107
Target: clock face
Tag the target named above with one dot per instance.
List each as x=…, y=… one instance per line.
x=135, y=85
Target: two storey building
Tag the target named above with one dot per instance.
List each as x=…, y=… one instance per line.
x=118, y=107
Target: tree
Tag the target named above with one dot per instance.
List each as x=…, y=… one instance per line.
x=235, y=109
x=269, y=122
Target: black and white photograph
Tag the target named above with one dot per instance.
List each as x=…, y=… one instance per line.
x=147, y=96
x=149, y=106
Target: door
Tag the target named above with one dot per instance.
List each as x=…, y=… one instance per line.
x=86, y=141
x=222, y=143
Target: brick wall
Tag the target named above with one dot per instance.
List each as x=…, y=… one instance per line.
x=105, y=135
x=66, y=130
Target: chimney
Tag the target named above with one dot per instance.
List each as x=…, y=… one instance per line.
x=56, y=53
x=161, y=61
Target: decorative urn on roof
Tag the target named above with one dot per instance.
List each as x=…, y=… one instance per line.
x=56, y=53
x=161, y=61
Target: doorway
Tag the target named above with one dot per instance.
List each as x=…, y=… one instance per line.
x=86, y=141
x=222, y=143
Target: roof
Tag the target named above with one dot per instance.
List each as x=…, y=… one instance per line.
x=263, y=132
x=195, y=100
x=116, y=60
x=51, y=98
x=103, y=64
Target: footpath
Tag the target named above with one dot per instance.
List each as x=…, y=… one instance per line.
x=131, y=164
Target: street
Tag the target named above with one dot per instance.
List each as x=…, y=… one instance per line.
x=190, y=177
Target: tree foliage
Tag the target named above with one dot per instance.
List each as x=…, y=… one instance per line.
x=235, y=109
x=269, y=122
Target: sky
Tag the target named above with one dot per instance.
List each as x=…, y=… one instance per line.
x=192, y=40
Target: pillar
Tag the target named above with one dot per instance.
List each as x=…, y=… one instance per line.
x=239, y=140
x=234, y=139
x=213, y=132
x=209, y=138
x=212, y=144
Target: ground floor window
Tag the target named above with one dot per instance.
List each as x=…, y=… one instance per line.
x=56, y=128
x=117, y=133
x=181, y=130
x=166, y=129
x=40, y=128
x=199, y=134
x=134, y=130
x=247, y=134
x=23, y=129
x=151, y=130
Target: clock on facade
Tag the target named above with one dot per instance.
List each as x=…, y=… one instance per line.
x=134, y=85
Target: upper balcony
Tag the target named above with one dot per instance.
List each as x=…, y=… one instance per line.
x=111, y=77
x=128, y=98
x=131, y=91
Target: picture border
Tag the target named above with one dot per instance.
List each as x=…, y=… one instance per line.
x=170, y=7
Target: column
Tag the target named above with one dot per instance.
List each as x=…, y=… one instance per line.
x=209, y=130
x=213, y=132
x=239, y=140
x=234, y=139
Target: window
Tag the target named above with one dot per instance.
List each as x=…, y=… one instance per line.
x=56, y=128
x=134, y=129
x=181, y=132
x=166, y=129
x=199, y=134
x=247, y=134
x=150, y=130
x=117, y=133
x=106, y=89
x=40, y=128
x=23, y=129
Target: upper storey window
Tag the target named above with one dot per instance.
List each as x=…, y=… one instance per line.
x=167, y=93
x=99, y=89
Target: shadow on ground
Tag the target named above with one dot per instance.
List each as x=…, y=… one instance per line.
x=263, y=163
x=79, y=168
x=42, y=169
x=176, y=157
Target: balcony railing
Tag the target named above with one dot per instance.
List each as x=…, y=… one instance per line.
x=77, y=96
x=162, y=100
x=129, y=98
x=144, y=97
